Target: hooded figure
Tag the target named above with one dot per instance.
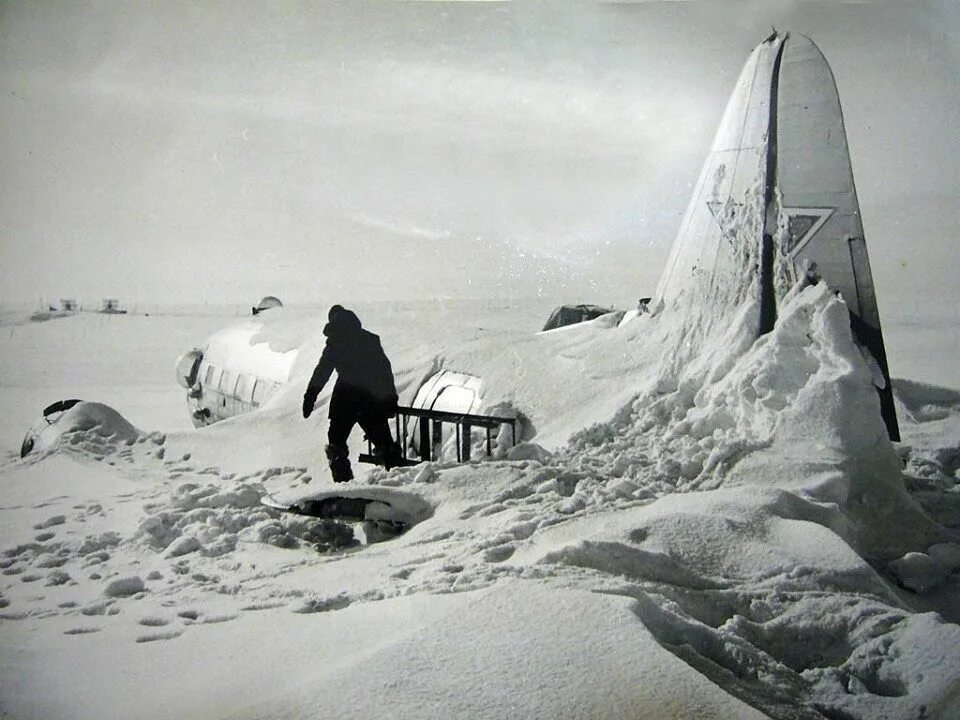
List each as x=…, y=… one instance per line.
x=364, y=392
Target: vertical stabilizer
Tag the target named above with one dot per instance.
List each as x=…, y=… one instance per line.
x=820, y=227
x=775, y=201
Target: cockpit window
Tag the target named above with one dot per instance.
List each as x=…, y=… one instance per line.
x=187, y=368
x=59, y=406
x=211, y=377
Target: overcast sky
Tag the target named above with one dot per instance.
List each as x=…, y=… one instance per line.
x=217, y=152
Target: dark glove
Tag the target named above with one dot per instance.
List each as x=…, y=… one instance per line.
x=307, y=407
x=390, y=406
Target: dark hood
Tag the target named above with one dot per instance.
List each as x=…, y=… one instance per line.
x=344, y=322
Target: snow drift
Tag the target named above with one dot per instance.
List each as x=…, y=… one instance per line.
x=727, y=517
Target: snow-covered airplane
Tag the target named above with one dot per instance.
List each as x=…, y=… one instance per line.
x=242, y=366
x=775, y=205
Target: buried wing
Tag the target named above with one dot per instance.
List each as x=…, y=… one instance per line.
x=776, y=201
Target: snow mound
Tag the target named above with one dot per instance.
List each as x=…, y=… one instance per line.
x=207, y=519
x=88, y=427
x=804, y=382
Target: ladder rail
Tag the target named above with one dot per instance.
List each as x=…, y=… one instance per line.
x=430, y=428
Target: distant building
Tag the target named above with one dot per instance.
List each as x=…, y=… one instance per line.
x=112, y=306
x=69, y=305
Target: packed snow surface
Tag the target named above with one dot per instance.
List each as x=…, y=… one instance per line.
x=694, y=523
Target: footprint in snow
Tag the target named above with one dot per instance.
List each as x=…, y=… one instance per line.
x=423, y=560
x=95, y=558
x=437, y=537
x=499, y=553
x=81, y=631
x=153, y=621
x=492, y=510
x=51, y=501
x=214, y=619
x=56, y=578
x=153, y=637
x=98, y=608
x=263, y=606
x=51, y=522
x=326, y=604
x=124, y=587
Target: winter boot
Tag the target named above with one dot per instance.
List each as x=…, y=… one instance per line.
x=390, y=456
x=394, y=456
x=339, y=463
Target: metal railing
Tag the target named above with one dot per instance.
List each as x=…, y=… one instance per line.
x=429, y=433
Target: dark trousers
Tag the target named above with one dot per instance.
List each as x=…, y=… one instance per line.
x=349, y=407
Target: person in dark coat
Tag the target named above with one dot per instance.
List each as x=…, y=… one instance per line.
x=364, y=392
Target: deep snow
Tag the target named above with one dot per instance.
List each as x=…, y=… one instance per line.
x=696, y=525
